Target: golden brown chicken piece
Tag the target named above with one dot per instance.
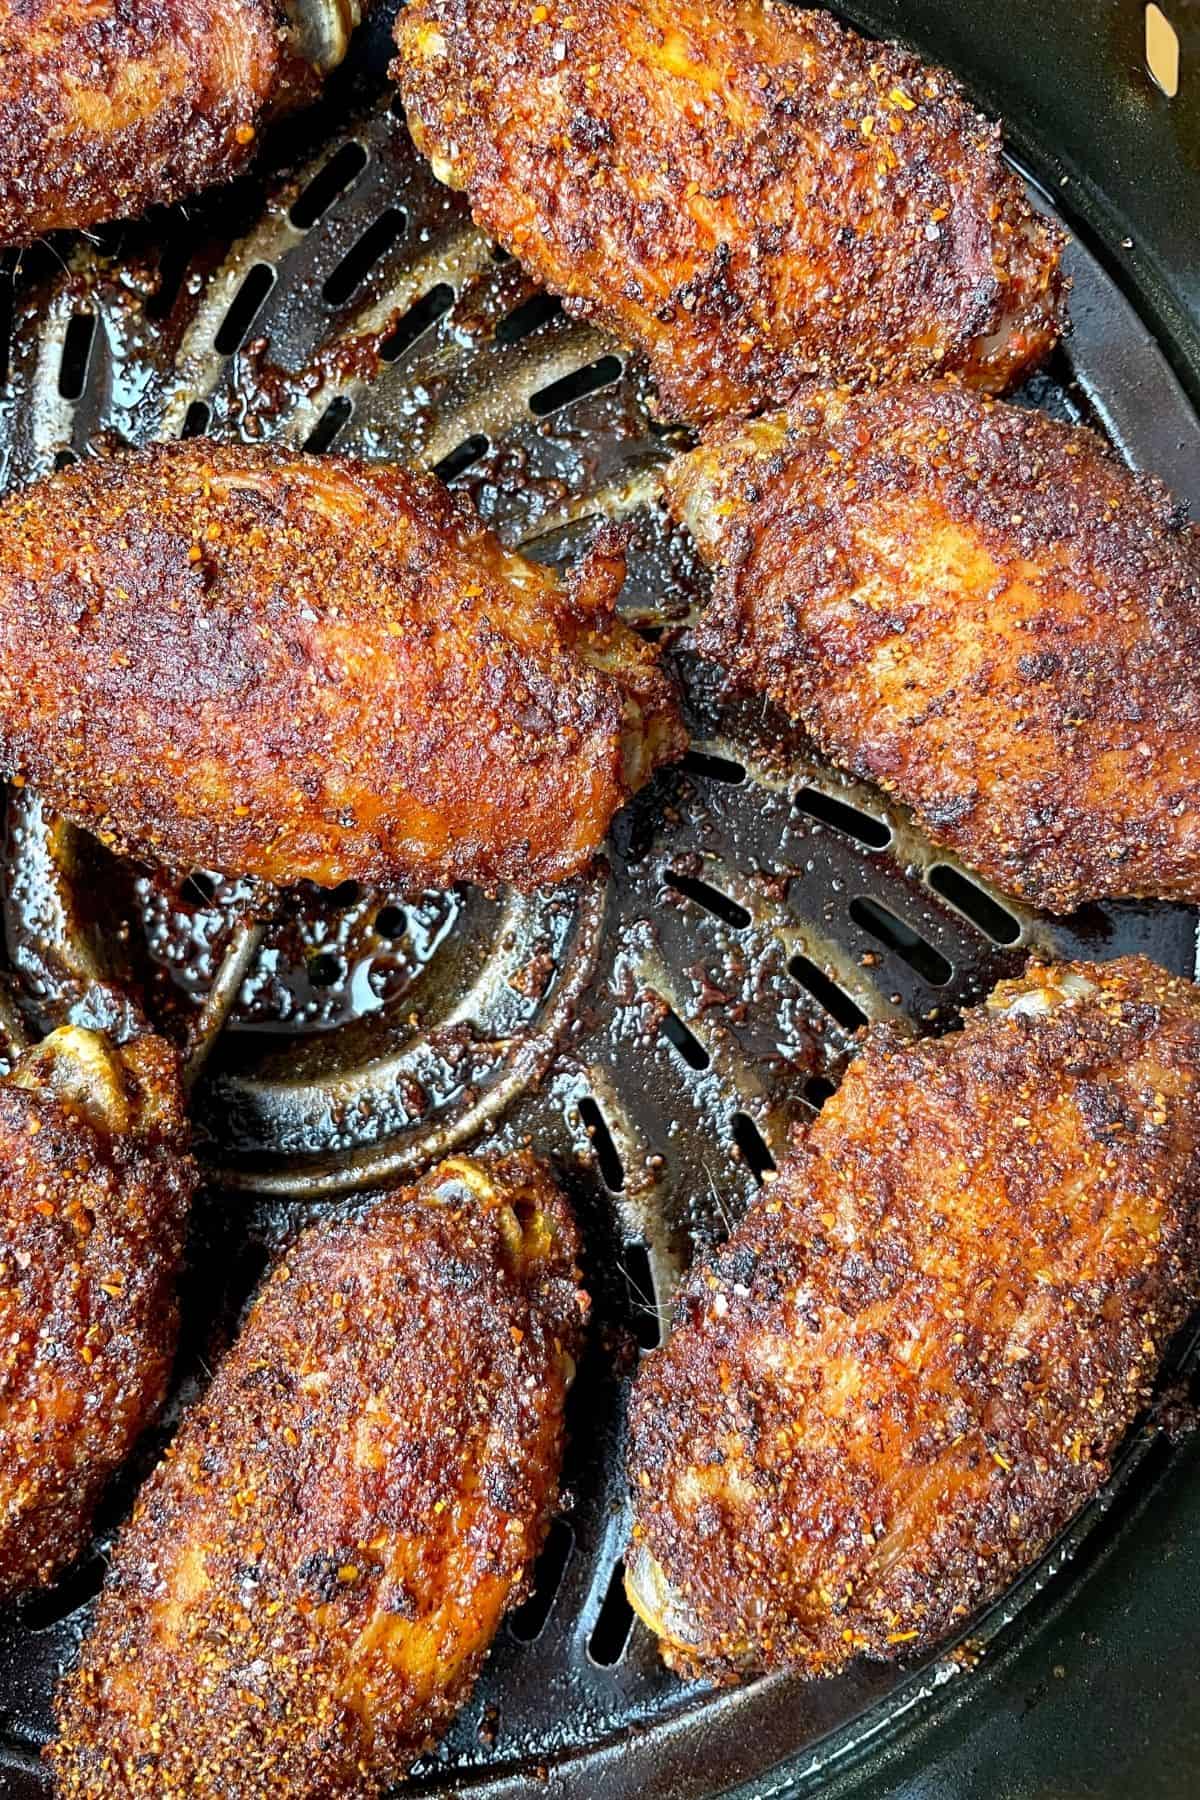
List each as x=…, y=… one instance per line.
x=978, y=608
x=240, y=659
x=912, y=1362
x=107, y=108
x=95, y=1186
x=750, y=194
x=311, y=1580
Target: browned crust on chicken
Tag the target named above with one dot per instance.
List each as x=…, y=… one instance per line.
x=94, y=1194
x=981, y=610
x=751, y=194
x=241, y=659
x=108, y=108
x=313, y=1576
x=915, y=1357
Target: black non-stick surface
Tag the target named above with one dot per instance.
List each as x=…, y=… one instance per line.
x=655, y=1029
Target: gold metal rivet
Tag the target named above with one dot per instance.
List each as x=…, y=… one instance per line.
x=1162, y=50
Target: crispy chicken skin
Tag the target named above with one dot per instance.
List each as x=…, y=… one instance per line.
x=95, y=1186
x=310, y=1581
x=913, y=1360
x=750, y=194
x=240, y=659
x=979, y=609
x=109, y=106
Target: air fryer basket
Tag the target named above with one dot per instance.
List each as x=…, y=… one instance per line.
x=657, y=1027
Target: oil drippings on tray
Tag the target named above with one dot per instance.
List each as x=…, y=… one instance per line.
x=327, y=956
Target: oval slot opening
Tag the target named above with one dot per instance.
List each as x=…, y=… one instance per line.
x=329, y=424
x=421, y=315
x=76, y=355
x=197, y=419
x=643, y=1296
x=244, y=308
x=985, y=913
x=540, y=309
x=344, y=167
x=713, y=768
x=836, y=1001
x=753, y=1146
x=608, y=1160
x=575, y=386
x=362, y=256
x=843, y=817
x=710, y=898
x=529, y=1620
x=684, y=1042
x=614, y=1622
x=463, y=457
x=908, y=945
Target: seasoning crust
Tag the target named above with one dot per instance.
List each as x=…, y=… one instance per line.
x=981, y=610
x=312, y=1577
x=235, y=658
x=915, y=1357
x=95, y=1186
x=751, y=194
x=107, y=109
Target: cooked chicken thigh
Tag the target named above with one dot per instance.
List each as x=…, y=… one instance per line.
x=95, y=1186
x=978, y=608
x=110, y=106
x=751, y=194
x=240, y=659
x=915, y=1357
x=313, y=1576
